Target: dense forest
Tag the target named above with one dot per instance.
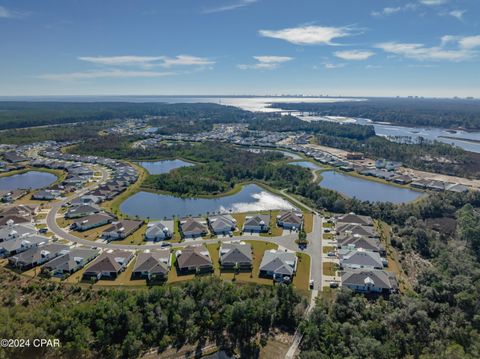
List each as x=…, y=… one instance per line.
x=220, y=166
x=400, y=111
x=124, y=323
x=28, y=114
x=438, y=316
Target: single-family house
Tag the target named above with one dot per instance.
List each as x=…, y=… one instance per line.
x=236, y=256
x=194, y=259
x=355, y=219
x=45, y=195
x=121, y=229
x=349, y=229
x=91, y=221
x=357, y=241
x=159, y=231
x=70, y=262
x=193, y=228
x=223, y=224
x=279, y=265
x=108, y=265
x=152, y=265
x=290, y=220
x=353, y=258
x=13, y=231
x=18, y=245
x=37, y=255
x=257, y=223
x=82, y=211
x=370, y=281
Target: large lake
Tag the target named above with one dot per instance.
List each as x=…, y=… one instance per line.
x=366, y=190
x=31, y=179
x=159, y=206
x=159, y=167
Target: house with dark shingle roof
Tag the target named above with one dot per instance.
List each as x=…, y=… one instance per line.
x=121, y=229
x=193, y=228
x=258, y=223
x=70, y=262
x=357, y=241
x=351, y=229
x=152, y=265
x=108, y=265
x=82, y=211
x=37, y=255
x=369, y=281
x=352, y=258
x=194, y=259
x=91, y=221
x=355, y=219
x=223, y=224
x=279, y=265
x=236, y=256
x=290, y=220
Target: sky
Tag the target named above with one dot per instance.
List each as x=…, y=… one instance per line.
x=237, y=47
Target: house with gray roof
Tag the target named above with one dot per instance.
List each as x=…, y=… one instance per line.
x=82, y=211
x=257, y=223
x=13, y=231
x=357, y=241
x=353, y=258
x=108, y=265
x=369, y=281
x=355, y=219
x=223, y=224
x=121, y=229
x=279, y=265
x=352, y=229
x=152, y=265
x=86, y=199
x=70, y=262
x=18, y=245
x=236, y=256
x=159, y=231
x=46, y=195
x=193, y=228
x=91, y=221
x=37, y=255
x=290, y=220
x=194, y=259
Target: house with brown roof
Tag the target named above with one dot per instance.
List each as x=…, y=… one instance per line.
x=193, y=228
x=152, y=265
x=108, y=265
x=121, y=229
x=194, y=259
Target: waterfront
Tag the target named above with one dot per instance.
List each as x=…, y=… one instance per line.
x=30, y=179
x=159, y=167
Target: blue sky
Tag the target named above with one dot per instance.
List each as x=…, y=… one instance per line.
x=335, y=47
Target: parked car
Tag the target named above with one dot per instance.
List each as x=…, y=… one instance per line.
x=333, y=284
x=331, y=254
x=311, y=283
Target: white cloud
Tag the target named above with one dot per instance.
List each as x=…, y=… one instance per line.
x=89, y=75
x=356, y=55
x=458, y=14
x=266, y=62
x=230, y=7
x=393, y=10
x=433, y=2
x=309, y=35
x=187, y=60
x=451, y=48
x=330, y=66
x=148, y=61
x=10, y=14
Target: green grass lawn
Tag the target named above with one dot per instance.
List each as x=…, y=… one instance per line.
x=302, y=276
x=327, y=225
x=327, y=249
x=91, y=234
x=308, y=221
x=328, y=236
x=330, y=268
